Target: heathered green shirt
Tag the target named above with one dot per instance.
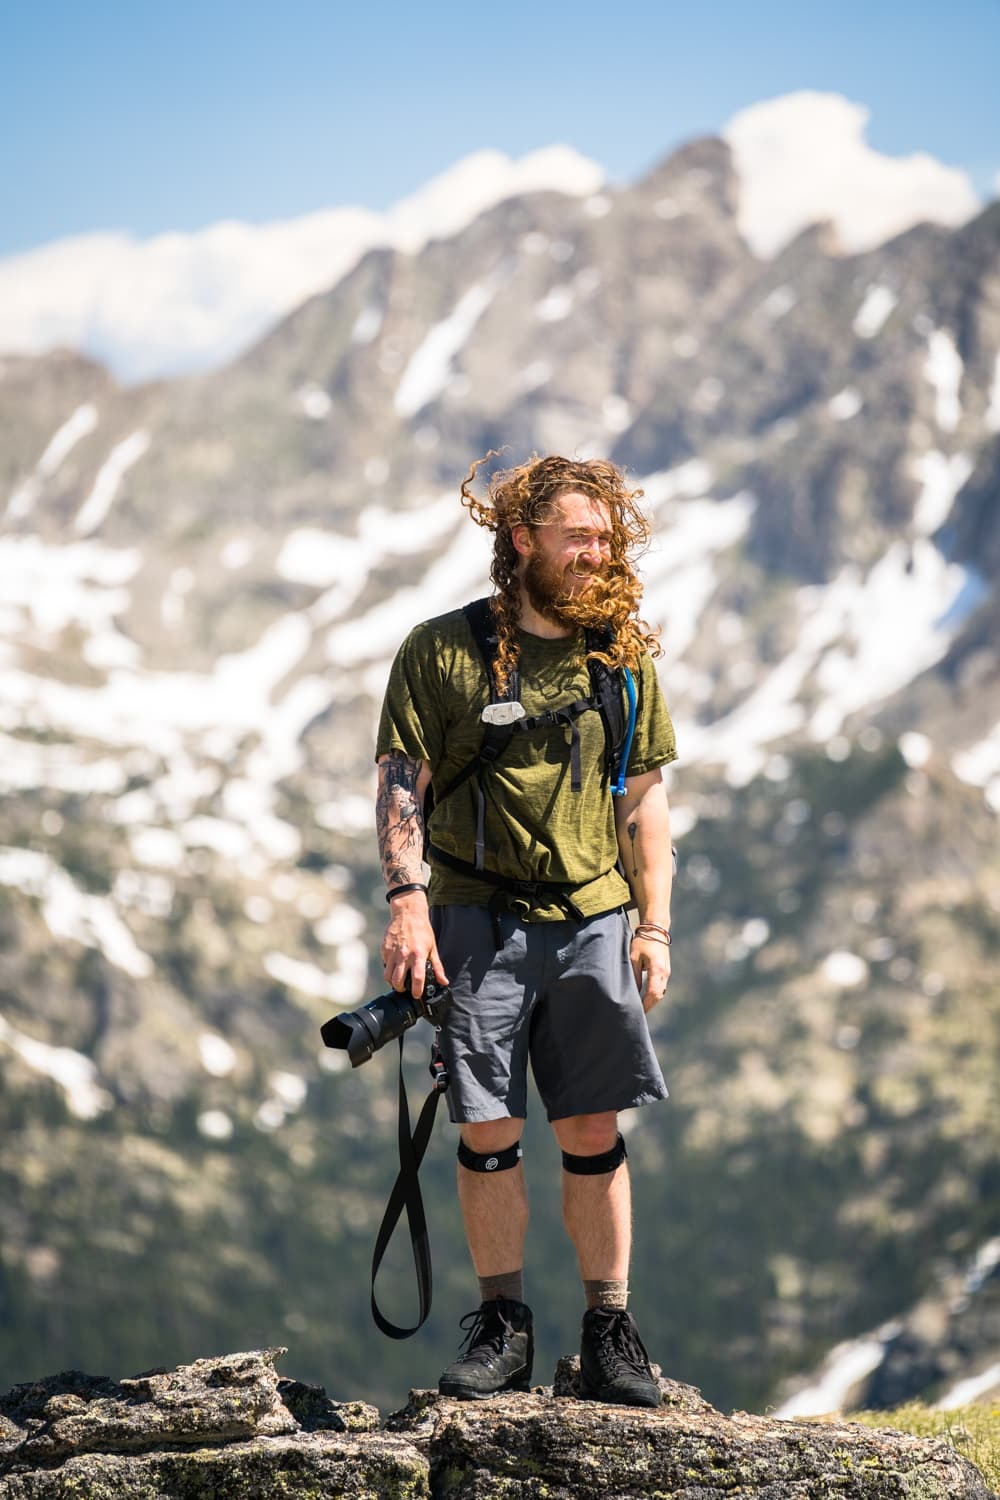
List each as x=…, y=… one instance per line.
x=537, y=828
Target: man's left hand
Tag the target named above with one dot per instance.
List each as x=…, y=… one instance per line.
x=651, y=967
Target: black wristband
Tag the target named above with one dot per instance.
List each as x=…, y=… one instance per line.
x=402, y=890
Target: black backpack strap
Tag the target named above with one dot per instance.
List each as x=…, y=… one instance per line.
x=496, y=737
x=610, y=699
x=482, y=623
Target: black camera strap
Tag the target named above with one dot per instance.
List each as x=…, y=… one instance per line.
x=406, y=1194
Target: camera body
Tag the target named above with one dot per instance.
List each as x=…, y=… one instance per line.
x=360, y=1033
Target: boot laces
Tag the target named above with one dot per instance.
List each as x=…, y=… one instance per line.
x=488, y=1332
x=622, y=1351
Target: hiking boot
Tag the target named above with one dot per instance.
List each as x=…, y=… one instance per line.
x=497, y=1354
x=614, y=1365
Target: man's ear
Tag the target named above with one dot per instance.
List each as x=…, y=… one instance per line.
x=520, y=535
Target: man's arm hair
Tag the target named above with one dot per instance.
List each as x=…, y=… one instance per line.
x=399, y=816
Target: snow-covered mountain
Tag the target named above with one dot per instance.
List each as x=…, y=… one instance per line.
x=183, y=302
x=202, y=582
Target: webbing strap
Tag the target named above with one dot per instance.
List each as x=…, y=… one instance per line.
x=557, y=891
x=480, y=824
x=406, y=1194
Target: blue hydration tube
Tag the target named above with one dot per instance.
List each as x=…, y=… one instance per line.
x=618, y=790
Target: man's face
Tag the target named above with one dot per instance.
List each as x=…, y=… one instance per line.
x=565, y=553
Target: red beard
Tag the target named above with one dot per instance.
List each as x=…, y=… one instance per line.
x=545, y=586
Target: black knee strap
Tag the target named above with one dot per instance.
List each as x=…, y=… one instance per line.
x=489, y=1161
x=591, y=1166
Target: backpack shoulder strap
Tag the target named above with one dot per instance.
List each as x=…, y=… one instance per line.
x=608, y=688
x=496, y=736
x=482, y=623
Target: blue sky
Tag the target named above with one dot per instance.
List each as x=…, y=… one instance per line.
x=147, y=117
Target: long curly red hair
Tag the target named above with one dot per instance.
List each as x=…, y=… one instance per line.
x=525, y=496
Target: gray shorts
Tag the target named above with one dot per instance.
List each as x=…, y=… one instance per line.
x=561, y=994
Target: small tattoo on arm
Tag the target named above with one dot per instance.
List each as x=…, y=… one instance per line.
x=633, y=829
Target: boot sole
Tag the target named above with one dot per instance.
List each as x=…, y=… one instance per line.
x=619, y=1398
x=464, y=1393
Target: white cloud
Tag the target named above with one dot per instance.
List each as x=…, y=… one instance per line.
x=187, y=301
x=803, y=158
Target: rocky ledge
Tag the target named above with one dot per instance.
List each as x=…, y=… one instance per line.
x=232, y=1429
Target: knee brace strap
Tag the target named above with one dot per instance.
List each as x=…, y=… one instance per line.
x=591, y=1166
x=489, y=1161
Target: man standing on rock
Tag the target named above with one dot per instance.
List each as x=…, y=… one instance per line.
x=520, y=749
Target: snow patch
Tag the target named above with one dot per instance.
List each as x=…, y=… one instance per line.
x=215, y=1125
x=916, y=749
x=877, y=305
x=941, y=477
x=556, y=305
x=845, y=404
x=535, y=375
x=71, y=913
x=367, y=325
x=429, y=369
x=944, y=369
x=973, y=1388
x=891, y=626
x=980, y=763
x=597, y=207
x=313, y=401
x=81, y=584
x=616, y=414
x=109, y=477
x=343, y=986
x=779, y=302
x=679, y=568
x=993, y=410
x=844, y=1367
x=75, y=1074
x=81, y=422
x=844, y=969
x=217, y=1056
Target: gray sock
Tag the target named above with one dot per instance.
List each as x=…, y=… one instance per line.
x=606, y=1294
x=510, y=1284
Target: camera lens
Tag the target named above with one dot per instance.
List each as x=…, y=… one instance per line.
x=362, y=1032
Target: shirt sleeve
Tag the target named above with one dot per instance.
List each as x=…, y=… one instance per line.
x=654, y=743
x=412, y=719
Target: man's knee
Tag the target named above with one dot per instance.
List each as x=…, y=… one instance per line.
x=481, y=1136
x=587, y=1135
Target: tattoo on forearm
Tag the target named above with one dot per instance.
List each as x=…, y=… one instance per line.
x=632, y=830
x=399, y=819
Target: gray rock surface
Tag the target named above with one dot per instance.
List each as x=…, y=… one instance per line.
x=230, y=1429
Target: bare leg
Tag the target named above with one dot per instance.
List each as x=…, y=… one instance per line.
x=597, y=1210
x=494, y=1204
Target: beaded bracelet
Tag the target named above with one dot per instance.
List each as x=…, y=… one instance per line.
x=403, y=890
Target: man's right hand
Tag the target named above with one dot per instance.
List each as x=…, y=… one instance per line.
x=409, y=944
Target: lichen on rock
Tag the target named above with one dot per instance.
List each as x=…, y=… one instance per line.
x=230, y=1428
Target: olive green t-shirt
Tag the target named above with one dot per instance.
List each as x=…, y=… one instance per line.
x=537, y=828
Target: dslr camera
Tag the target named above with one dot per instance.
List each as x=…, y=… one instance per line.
x=360, y=1033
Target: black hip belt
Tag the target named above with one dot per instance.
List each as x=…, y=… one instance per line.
x=556, y=891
